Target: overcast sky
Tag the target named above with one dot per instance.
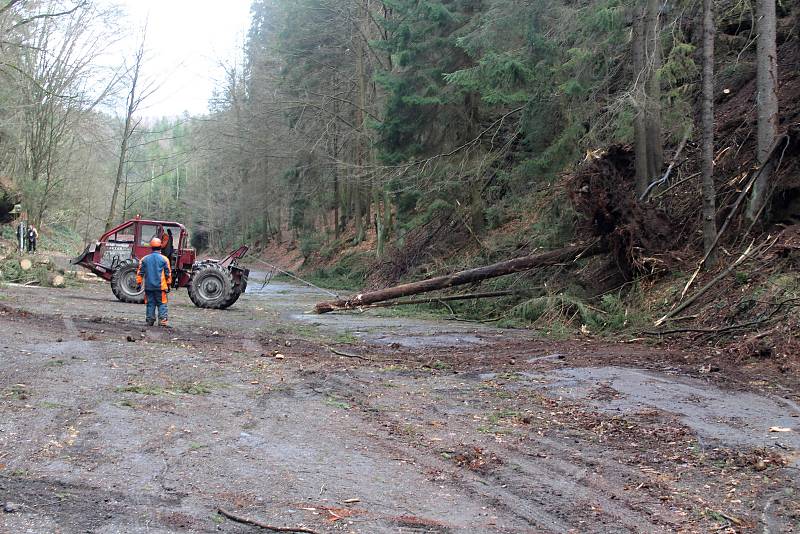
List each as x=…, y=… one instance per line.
x=186, y=40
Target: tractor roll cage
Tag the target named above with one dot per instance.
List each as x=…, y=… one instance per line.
x=138, y=224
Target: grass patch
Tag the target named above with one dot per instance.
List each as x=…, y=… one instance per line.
x=346, y=338
x=299, y=330
x=441, y=366
x=186, y=388
x=503, y=415
x=141, y=389
x=17, y=392
x=193, y=388
x=337, y=403
x=49, y=405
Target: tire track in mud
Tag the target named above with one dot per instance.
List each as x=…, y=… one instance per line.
x=532, y=509
x=55, y=505
x=552, y=494
x=54, y=468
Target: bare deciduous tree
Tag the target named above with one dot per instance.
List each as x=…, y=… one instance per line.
x=136, y=95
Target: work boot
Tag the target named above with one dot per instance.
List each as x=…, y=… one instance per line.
x=163, y=322
x=150, y=322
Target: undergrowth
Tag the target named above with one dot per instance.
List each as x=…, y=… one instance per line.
x=347, y=274
x=10, y=271
x=60, y=238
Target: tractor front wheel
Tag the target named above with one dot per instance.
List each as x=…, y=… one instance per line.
x=124, y=285
x=212, y=286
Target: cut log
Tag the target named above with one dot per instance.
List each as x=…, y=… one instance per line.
x=25, y=264
x=545, y=259
x=56, y=280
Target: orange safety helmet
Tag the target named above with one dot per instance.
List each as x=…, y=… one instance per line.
x=155, y=243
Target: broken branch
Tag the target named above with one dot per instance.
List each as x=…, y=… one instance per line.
x=349, y=355
x=665, y=178
x=700, y=292
x=735, y=207
x=248, y=521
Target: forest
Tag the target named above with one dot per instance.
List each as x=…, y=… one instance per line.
x=367, y=142
x=452, y=266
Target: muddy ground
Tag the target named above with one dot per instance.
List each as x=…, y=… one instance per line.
x=416, y=426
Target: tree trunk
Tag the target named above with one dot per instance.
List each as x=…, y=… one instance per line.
x=767, y=101
x=709, y=193
x=335, y=168
x=361, y=80
x=516, y=265
x=127, y=131
x=125, y=198
x=639, y=96
x=655, y=143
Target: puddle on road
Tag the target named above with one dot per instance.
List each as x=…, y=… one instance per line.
x=294, y=303
x=734, y=418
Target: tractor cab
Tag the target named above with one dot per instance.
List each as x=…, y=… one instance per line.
x=130, y=241
x=116, y=255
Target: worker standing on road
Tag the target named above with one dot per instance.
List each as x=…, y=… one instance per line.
x=155, y=273
x=33, y=236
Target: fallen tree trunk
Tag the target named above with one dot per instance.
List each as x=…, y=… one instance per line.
x=448, y=298
x=545, y=259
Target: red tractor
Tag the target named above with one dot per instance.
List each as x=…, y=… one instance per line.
x=115, y=257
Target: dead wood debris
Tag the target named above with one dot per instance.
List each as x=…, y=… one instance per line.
x=259, y=524
x=638, y=235
x=349, y=354
x=781, y=140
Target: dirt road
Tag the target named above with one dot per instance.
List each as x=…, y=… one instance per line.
x=416, y=426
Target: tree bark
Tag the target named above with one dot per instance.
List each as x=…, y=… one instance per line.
x=553, y=257
x=335, y=168
x=709, y=193
x=655, y=143
x=361, y=204
x=767, y=101
x=639, y=96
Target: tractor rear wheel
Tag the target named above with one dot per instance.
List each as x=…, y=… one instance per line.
x=212, y=286
x=124, y=285
x=238, y=289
